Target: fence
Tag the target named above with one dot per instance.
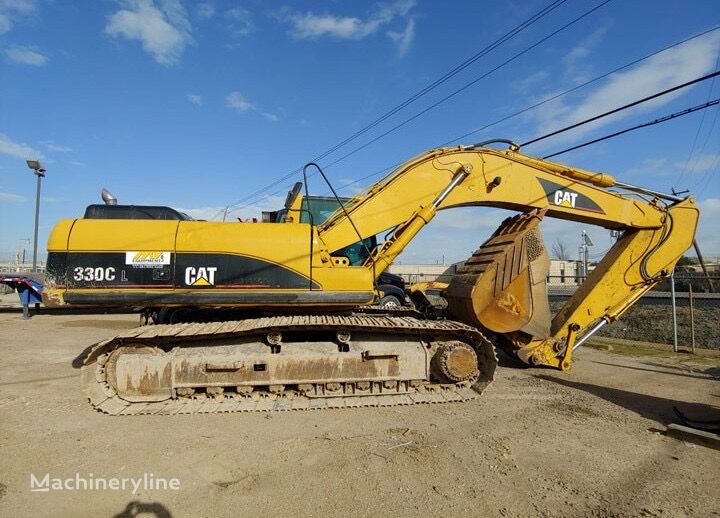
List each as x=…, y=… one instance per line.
x=680, y=311
x=413, y=275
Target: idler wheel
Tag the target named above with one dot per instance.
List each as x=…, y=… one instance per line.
x=455, y=362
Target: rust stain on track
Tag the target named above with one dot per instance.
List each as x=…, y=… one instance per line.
x=105, y=398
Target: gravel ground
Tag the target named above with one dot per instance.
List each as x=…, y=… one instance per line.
x=537, y=443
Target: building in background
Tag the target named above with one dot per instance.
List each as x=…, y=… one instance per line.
x=413, y=273
x=565, y=273
x=562, y=273
x=18, y=266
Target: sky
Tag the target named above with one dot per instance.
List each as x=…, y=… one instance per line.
x=198, y=105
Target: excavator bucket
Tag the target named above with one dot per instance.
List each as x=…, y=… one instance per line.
x=502, y=287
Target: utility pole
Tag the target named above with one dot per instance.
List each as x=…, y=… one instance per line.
x=39, y=171
x=24, y=242
x=584, y=252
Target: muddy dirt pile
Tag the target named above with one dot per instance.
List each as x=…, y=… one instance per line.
x=653, y=323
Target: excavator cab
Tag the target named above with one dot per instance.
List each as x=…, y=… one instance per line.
x=316, y=210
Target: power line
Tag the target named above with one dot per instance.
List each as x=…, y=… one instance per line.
x=639, y=126
x=665, y=118
x=684, y=170
x=640, y=101
x=606, y=114
x=497, y=43
x=454, y=71
x=704, y=181
x=577, y=87
x=467, y=85
x=621, y=108
x=561, y=94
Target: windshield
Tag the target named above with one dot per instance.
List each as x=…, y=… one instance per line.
x=357, y=252
x=320, y=208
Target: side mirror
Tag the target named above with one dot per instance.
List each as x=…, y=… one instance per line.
x=292, y=195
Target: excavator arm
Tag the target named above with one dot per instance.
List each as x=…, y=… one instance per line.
x=502, y=287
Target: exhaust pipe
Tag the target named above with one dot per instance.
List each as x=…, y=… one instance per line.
x=108, y=197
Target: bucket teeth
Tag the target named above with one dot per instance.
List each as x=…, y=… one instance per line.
x=502, y=287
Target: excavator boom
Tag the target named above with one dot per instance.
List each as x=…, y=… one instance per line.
x=502, y=287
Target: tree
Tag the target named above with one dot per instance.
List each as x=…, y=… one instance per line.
x=560, y=250
x=687, y=261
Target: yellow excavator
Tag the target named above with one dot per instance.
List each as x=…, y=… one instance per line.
x=308, y=281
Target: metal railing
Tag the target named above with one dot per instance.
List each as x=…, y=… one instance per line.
x=681, y=311
x=684, y=317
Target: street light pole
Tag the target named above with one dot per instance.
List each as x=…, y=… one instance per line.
x=39, y=171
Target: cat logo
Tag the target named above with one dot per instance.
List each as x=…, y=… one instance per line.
x=202, y=276
x=565, y=198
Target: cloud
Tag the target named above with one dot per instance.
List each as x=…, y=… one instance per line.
x=236, y=101
x=313, y=26
x=197, y=100
x=205, y=10
x=255, y=210
x=700, y=163
x=455, y=233
x=241, y=23
x=26, y=56
x=11, y=9
x=17, y=149
x=530, y=81
x=11, y=198
x=348, y=187
x=164, y=31
x=405, y=38
x=204, y=213
x=652, y=167
x=464, y=218
x=576, y=64
x=56, y=148
x=667, y=69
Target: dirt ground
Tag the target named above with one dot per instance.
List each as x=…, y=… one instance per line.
x=537, y=443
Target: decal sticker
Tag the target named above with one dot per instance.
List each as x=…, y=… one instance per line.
x=88, y=273
x=234, y=271
x=563, y=196
x=147, y=259
x=202, y=276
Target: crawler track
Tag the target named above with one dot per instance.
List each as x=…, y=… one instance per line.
x=311, y=394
